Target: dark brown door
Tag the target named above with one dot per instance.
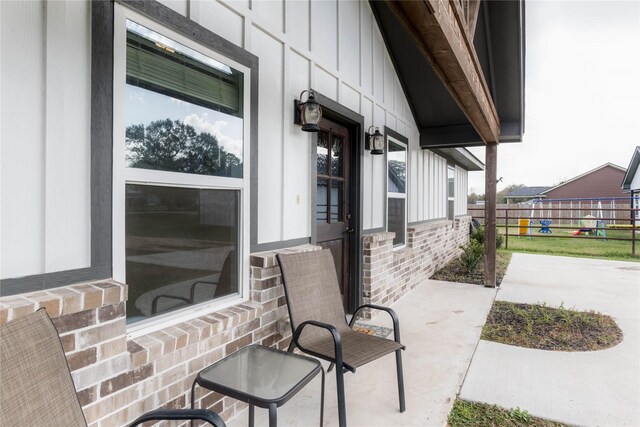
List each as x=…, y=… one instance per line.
x=332, y=199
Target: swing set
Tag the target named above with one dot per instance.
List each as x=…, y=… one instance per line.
x=588, y=223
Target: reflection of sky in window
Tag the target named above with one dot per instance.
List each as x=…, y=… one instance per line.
x=145, y=106
x=159, y=38
x=396, y=155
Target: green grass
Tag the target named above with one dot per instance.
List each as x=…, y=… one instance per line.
x=468, y=414
x=546, y=328
x=578, y=247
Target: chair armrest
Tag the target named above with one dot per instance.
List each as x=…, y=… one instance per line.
x=394, y=318
x=337, y=339
x=154, y=303
x=181, y=414
x=192, y=292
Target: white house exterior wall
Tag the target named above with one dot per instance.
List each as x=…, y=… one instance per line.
x=635, y=182
x=45, y=150
x=45, y=215
x=45, y=122
x=335, y=48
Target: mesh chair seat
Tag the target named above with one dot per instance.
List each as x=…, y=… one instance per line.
x=357, y=348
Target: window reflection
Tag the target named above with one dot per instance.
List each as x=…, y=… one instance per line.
x=181, y=246
x=323, y=153
x=322, y=200
x=336, y=156
x=337, y=202
x=397, y=161
x=183, y=110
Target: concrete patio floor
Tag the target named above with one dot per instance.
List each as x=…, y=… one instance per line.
x=598, y=388
x=440, y=324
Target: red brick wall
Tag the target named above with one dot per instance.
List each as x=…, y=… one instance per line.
x=604, y=182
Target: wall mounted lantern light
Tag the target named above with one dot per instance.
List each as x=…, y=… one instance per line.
x=374, y=141
x=309, y=113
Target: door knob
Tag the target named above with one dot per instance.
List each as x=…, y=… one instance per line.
x=349, y=230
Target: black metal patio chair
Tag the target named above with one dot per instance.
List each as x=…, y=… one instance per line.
x=319, y=324
x=36, y=387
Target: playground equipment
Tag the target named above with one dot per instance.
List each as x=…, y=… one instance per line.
x=545, y=226
x=588, y=223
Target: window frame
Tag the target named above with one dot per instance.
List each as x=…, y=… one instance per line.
x=394, y=195
x=451, y=198
x=123, y=175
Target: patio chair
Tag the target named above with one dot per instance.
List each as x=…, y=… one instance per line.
x=223, y=286
x=319, y=324
x=36, y=386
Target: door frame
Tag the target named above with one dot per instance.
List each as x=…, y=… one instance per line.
x=355, y=124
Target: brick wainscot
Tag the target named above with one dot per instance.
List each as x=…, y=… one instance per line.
x=118, y=378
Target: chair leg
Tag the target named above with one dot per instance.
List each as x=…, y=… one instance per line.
x=400, y=380
x=342, y=411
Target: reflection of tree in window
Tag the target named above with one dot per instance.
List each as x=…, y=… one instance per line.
x=177, y=147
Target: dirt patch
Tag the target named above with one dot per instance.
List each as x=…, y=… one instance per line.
x=546, y=328
x=455, y=272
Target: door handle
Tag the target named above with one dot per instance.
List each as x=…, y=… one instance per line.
x=349, y=230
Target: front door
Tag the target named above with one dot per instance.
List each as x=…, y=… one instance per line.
x=332, y=200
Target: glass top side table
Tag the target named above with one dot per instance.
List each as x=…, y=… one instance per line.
x=261, y=376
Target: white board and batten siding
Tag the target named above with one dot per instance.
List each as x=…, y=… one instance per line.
x=44, y=138
x=333, y=47
x=336, y=48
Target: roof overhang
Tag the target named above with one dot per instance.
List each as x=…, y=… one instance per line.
x=631, y=171
x=460, y=156
x=449, y=110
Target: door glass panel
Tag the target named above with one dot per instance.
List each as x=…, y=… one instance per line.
x=336, y=156
x=322, y=200
x=337, y=201
x=323, y=151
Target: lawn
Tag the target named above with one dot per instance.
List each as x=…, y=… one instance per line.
x=575, y=246
x=475, y=414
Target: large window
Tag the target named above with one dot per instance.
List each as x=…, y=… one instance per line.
x=397, y=190
x=180, y=184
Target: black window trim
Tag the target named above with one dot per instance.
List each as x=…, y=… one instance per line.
x=101, y=134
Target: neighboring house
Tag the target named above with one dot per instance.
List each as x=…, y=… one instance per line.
x=631, y=180
x=601, y=182
x=151, y=167
x=525, y=194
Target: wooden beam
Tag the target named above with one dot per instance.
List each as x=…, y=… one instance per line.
x=474, y=11
x=490, y=194
x=440, y=32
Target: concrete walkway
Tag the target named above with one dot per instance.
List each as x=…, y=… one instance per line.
x=599, y=388
x=440, y=324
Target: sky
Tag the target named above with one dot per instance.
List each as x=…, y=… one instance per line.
x=582, y=93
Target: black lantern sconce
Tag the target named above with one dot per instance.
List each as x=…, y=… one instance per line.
x=309, y=113
x=374, y=141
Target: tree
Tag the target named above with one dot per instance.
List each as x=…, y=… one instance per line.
x=473, y=198
x=177, y=147
x=508, y=189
